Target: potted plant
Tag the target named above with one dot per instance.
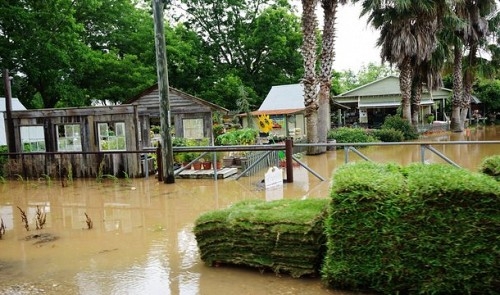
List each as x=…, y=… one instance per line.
x=186, y=158
x=206, y=161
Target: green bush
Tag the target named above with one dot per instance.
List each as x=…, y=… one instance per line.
x=245, y=136
x=422, y=229
x=491, y=166
x=350, y=135
x=397, y=123
x=389, y=135
x=3, y=158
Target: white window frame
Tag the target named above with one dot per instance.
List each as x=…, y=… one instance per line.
x=69, y=138
x=193, y=128
x=112, y=136
x=30, y=135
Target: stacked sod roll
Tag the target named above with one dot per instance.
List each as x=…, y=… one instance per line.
x=285, y=236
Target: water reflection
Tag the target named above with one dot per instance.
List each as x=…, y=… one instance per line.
x=142, y=240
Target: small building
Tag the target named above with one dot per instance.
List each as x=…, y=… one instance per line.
x=16, y=106
x=190, y=116
x=285, y=106
x=371, y=103
x=102, y=140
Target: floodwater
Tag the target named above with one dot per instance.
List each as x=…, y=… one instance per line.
x=142, y=241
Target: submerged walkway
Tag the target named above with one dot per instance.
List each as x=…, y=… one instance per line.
x=210, y=173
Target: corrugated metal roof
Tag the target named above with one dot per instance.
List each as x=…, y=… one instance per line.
x=284, y=97
x=16, y=105
x=277, y=112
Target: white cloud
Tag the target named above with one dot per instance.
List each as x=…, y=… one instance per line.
x=355, y=45
x=355, y=40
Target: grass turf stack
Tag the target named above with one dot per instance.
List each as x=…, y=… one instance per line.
x=422, y=229
x=285, y=236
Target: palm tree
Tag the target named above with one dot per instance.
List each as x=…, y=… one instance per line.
x=407, y=39
x=309, y=25
x=470, y=33
x=327, y=58
x=477, y=11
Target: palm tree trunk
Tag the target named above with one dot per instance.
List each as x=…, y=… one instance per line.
x=325, y=79
x=416, y=101
x=405, y=78
x=456, y=123
x=309, y=25
x=468, y=81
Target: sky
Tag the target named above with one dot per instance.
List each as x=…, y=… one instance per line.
x=355, y=42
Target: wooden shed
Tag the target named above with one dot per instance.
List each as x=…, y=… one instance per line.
x=82, y=142
x=190, y=116
x=104, y=140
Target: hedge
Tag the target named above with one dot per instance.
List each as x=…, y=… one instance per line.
x=422, y=229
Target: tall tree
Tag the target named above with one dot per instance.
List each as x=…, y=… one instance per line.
x=477, y=30
x=325, y=75
x=257, y=41
x=408, y=37
x=309, y=26
x=76, y=51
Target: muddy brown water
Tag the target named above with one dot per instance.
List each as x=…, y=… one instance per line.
x=142, y=241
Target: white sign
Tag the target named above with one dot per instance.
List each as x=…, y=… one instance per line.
x=273, y=178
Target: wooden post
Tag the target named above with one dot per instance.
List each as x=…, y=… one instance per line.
x=11, y=144
x=162, y=70
x=159, y=161
x=289, y=160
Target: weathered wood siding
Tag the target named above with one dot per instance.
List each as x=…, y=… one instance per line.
x=182, y=106
x=83, y=165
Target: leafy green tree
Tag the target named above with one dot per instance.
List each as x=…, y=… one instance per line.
x=228, y=90
x=408, y=37
x=348, y=80
x=67, y=53
x=488, y=91
x=256, y=41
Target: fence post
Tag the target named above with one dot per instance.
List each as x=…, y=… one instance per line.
x=159, y=161
x=289, y=159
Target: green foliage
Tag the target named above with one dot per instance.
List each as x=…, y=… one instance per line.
x=187, y=157
x=488, y=91
x=3, y=158
x=491, y=166
x=389, y=135
x=156, y=129
x=426, y=229
x=350, y=135
x=79, y=50
x=245, y=136
x=397, y=123
x=234, y=36
x=349, y=80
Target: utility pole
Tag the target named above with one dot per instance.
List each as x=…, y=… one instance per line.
x=8, y=111
x=162, y=71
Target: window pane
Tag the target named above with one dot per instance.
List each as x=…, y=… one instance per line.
x=32, y=139
x=193, y=128
x=112, y=136
x=68, y=138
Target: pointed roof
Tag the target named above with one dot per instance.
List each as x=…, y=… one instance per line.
x=283, y=99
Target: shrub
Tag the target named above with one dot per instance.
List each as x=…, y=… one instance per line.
x=397, y=123
x=491, y=166
x=3, y=159
x=427, y=229
x=244, y=136
x=389, y=135
x=350, y=135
